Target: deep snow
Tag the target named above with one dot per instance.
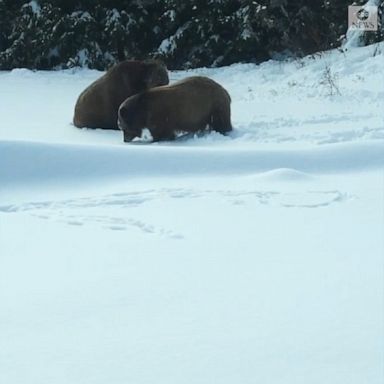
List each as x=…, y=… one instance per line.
x=253, y=258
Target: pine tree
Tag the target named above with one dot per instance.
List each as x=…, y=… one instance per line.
x=64, y=33
x=5, y=26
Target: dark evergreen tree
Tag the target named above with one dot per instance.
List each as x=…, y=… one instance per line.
x=5, y=26
x=65, y=33
x=24, y=48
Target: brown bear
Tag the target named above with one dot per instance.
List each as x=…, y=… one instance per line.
x=189, y=105
x=97, y=106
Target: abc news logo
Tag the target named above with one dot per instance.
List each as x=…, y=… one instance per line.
x=363, y=18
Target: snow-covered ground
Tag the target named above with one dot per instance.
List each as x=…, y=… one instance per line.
x=253, y=258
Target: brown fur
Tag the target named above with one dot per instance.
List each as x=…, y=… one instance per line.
x=97, y=106
x=189, y=105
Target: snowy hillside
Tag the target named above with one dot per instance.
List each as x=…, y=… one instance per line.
x=253, y=258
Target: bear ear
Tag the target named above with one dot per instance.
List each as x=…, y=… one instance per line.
x=155, y=74
x=155, y=61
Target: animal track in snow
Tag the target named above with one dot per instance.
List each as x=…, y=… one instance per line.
x=114, y=211
x=313, y=199
x=133, y=199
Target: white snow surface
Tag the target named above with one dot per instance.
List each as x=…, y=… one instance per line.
x=252, y=258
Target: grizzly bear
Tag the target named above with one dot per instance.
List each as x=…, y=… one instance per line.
x=189, y=105
x=97, y=106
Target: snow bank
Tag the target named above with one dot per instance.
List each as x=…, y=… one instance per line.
x=31, y=162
